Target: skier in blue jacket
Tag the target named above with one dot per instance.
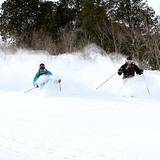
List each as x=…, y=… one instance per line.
x=42, y=71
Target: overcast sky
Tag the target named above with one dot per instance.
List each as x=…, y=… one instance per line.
x=154, y=3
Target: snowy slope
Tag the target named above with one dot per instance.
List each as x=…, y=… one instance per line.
x=79, y=122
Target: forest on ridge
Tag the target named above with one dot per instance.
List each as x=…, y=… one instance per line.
x=127, y=27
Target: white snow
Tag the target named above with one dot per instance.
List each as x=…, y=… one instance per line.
x=79, y=122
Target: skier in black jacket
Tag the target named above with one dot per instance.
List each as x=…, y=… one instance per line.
x=129, y=69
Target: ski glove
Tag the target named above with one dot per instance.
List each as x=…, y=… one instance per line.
x=59, y=81
x=36, y=86
x=140, y=72
x=119, y=72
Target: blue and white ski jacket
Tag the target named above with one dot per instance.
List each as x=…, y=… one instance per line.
x=39, y=73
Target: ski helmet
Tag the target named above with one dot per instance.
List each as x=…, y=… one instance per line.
x=41, y=66
x=129, y=58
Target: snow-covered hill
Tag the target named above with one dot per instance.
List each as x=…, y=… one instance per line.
x=79, y=122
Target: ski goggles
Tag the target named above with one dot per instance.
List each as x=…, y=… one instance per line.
x=42, y=68
x=129, y=61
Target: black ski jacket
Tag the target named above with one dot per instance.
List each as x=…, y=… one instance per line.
x=129, y=70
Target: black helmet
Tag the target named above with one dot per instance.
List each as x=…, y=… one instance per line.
x=129, y=58
x=41, y=66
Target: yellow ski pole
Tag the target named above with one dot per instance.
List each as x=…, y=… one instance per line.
x=60, y=86
x=29, y=90
x=146, y=85
x=106, y=80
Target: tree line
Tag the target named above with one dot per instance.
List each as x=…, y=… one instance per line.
x=128, y=27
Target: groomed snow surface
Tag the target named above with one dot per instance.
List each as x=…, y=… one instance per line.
x=117, y=121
